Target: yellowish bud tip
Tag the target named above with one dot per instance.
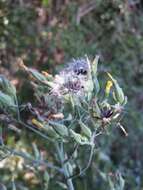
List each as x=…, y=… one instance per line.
x=57, y=116
x=36, y=123
x=45, y=73
x=108, y=86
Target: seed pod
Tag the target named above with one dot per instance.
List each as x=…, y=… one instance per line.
x=119, y=92
x=59, y=128
x=46, y=128
x=86, y=131
x=37, y=124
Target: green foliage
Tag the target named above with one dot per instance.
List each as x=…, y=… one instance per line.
x=54, y=127
x=56, y=130
x=45, y=35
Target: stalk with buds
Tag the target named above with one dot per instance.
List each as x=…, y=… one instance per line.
x=69, y=113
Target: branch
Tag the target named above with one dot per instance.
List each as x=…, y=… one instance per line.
x=86, y=167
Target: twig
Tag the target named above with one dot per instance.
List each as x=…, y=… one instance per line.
x=84, y=9
x=71, y=155
x=36, y=131
x=60, y=151
x=86, y=167
x=18, y=113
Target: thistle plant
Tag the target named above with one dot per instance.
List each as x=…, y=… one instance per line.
x=70, y=112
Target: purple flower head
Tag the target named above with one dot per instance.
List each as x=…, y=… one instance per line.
x=106, y=113
x=78, y=66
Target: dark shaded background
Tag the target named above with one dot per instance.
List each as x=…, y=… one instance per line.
x=48, y=33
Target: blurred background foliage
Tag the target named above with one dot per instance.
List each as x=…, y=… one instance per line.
x=48, y=33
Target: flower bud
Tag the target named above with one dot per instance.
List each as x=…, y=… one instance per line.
x=108, y=87
x=119, y=95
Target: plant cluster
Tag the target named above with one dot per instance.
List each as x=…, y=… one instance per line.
x=71, y=110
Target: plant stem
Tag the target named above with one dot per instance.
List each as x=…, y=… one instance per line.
x=60, y=152
x=35, y=130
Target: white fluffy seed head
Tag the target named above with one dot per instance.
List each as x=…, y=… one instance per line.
x=73, y=78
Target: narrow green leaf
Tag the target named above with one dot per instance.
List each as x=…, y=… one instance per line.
x=95, y=64
x=7, y=102
x=121, y=182
x=78, y=138
x=96, y=85
x=50, y=131
x=7, y=87
x=60, y=128
x=37, y=75
x=46, y=179
x=85, y=129
x=36, y=151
